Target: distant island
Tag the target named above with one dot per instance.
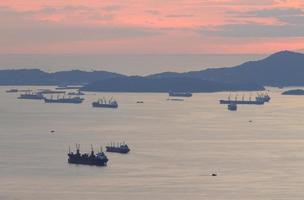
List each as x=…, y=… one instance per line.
x=177, y=84
x=281, y=69
x=294, y=92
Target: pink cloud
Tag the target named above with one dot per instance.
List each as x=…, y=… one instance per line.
x=149, y=26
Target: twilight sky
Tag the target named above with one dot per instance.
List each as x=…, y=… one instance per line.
x=150, y=26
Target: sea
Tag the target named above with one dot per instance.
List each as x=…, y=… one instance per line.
x=257, y=152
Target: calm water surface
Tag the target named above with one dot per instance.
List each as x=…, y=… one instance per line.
x=175, y=146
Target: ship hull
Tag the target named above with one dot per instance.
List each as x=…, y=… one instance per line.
x=87, y=162
x=12, y=91
x=98, y=105
x=31, y=97
x=241, y=102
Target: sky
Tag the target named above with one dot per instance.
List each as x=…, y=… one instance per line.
x=157, y=27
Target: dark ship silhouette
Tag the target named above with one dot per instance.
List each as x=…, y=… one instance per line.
x=232, y=107
x=180, y=94
x=263, y=97
x=121, y=148
x=103, y=103
x=12, y=90
x=99, y=159
x=75, y=100
x=31, y=95
x=260, y=99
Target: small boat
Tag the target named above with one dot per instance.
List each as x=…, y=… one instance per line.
x=121, y=148
x=103, y=103
x=75, y=100
x=139, y=102
x=232, y=107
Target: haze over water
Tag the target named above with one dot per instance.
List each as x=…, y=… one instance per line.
x=129, y=64
x=175, y=146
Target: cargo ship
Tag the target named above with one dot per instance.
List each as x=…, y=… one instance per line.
x=99, y=159
x=120, y=148
x=75, y=100
x=29, y=95
x=259, y=100
x=12, y=91
x=180, y=94
x=103, y=103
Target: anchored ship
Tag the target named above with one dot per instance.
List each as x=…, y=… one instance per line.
x=75, y=100
x=120, y=148
x=259, y=100
x=12, y=91
x=99, y=159
x=180, y=94
x=30, y=95
x=103, y=103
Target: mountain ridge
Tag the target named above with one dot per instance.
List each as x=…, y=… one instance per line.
x=39, y=77
x=284, y=68
x=177, y=84
x=255, y=71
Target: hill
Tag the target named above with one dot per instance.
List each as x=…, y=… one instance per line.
x=38, y=77
x=294, y=92
x=177, y=84
x=284, y=68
